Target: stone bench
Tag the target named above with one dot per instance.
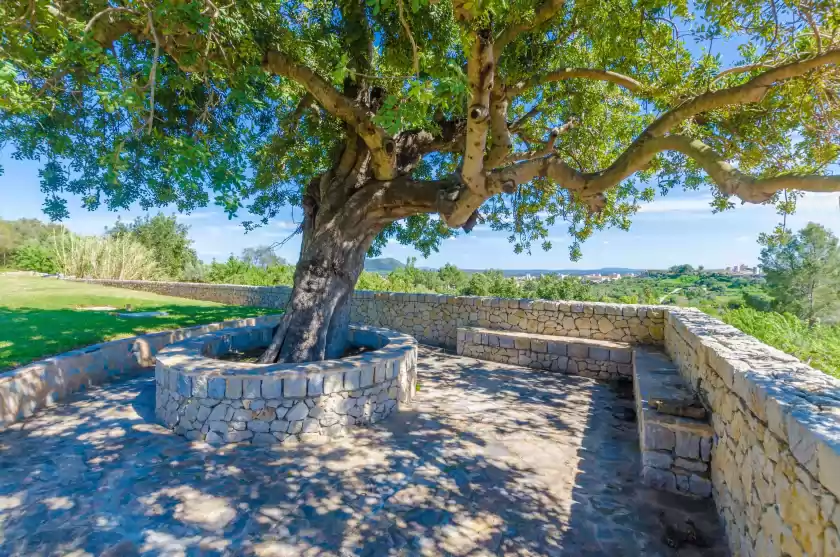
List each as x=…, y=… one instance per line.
x=600, y=359
x=674, y=433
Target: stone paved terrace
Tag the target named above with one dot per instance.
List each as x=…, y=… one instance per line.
x=490, y=459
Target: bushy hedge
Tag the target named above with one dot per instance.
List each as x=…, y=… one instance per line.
x=819, y=346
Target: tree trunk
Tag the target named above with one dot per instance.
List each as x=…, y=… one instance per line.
x=317, y=316
x=340, y=223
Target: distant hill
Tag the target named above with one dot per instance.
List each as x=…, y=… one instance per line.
x=382, y=264
x=537, y=272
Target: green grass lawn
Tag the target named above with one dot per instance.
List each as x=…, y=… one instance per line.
x=40, y=317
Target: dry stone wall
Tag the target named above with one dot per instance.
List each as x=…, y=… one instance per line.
x=205, y=398
x=775, y=464
x=598, y=359
x=676, y=449
x=41, y=384
x=434, y=319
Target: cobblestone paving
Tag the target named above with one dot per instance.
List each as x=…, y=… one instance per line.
x=491, y=459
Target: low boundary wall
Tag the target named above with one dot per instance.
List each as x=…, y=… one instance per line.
x=434, y=319
x=776, y=457
x=43, y=383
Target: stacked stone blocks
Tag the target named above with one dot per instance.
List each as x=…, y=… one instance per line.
x=204, y=398
x=41, y=384
x=434, y=319
x=589, y=358
x=676, y=450
x=775, y=466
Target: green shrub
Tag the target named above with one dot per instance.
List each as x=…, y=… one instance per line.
x=35, y=257
x=236, y=271
x=819, y=346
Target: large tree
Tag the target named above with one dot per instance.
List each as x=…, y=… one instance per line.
x=389, y=119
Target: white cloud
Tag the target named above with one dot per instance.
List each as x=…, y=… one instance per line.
x=681, y=205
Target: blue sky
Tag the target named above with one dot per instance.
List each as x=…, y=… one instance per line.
x=679, y=228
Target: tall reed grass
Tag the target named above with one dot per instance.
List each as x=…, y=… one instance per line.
x=103, y=257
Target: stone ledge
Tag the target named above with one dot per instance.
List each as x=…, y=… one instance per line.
x=204, y=398
x=676, y=450
x=588, y=357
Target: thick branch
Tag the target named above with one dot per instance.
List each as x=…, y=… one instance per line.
x=543, y=14
x=502, y=140
x=575, y=73
x=381, y=146
x=749, y=92
x=591, y=186
x=732, y=181
x=480, y=73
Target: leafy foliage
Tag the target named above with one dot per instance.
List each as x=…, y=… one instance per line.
x=16, y=234
x=167, y=239
x=168, y=102
x=35, y=257
x=819, y=346
x=237, y=271
x=262, y=256
x=803, y=272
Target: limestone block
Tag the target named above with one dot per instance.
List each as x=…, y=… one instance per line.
x=690, y=464
x=272, y=388
x=620, y=355
x=659, y=479
x=251, y=388
x=216, y=387
x=522, y=343
x=599, y=354
x=352, y=380
x=333, y=383
x=540, y=346
x=699, y=486
x=366, y=377
x=184, y=385
x=315, y=385
x=233, y=388
x=298, y=412
x=654, y=459
x=199, y=386
x=557, y=347
x=578, y=351
x=687, y=445
x=656, y=437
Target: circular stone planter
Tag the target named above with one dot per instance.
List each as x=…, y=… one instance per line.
x=204, y=398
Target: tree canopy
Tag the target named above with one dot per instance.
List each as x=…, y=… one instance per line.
x=517, y=113
x=803, y=272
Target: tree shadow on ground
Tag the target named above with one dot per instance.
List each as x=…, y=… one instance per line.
x=28, y=334
x=489, y=459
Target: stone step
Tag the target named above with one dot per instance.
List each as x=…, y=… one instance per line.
x=676, y=450
x=600, y=359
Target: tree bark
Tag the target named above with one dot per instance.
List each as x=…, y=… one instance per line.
x=341, y=219
x=318, y=312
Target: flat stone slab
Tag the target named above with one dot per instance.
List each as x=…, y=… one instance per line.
x=490, y=459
